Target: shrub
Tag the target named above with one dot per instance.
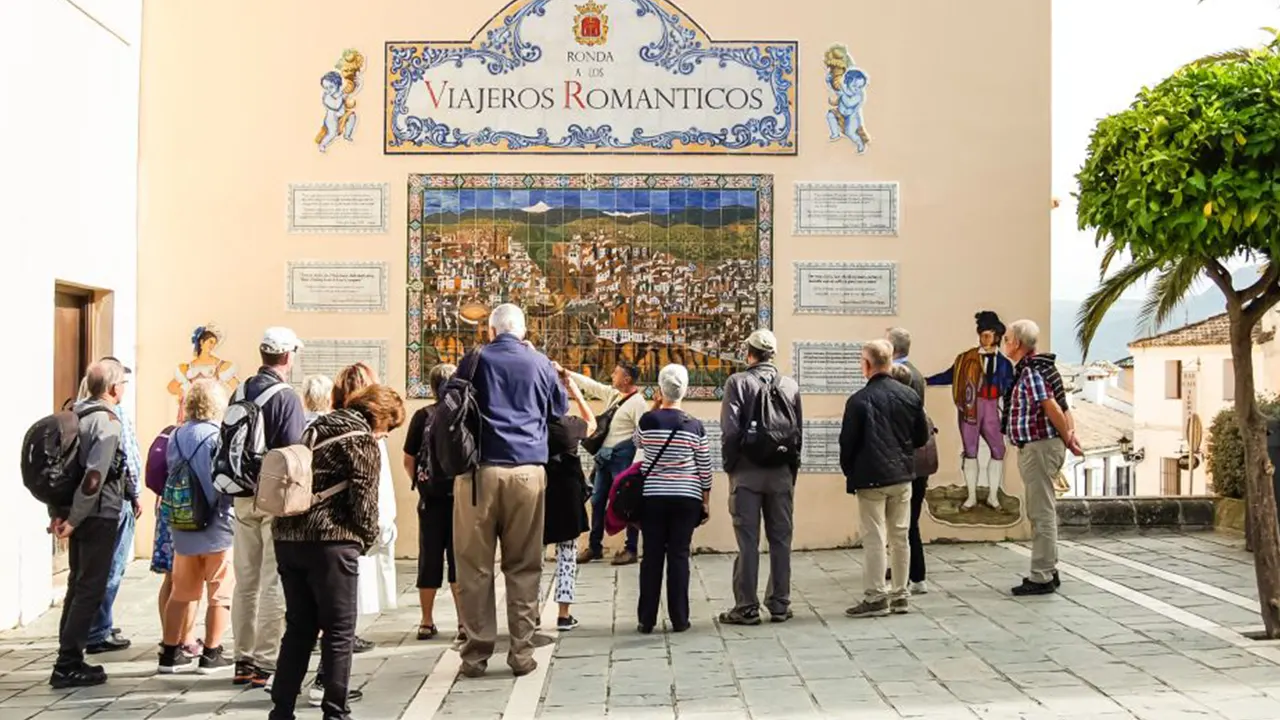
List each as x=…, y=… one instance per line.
x=1226, y=451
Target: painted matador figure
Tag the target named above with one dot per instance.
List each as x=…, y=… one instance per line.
x=979, y=378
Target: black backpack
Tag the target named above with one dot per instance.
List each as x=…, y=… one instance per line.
x=771, y=436
x=428, y=478
x=603, y=421
x=454, y=436
x=242, y=443
x=51, y=468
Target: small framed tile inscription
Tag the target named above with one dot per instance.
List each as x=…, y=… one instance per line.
x=327, y=357
x=346, y=287
x=827, y=368
x=338, y=208
x=821, y=451
x=846, y=208
x=869, y=288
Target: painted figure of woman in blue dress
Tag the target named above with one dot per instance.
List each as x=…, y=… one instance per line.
x=848, y=94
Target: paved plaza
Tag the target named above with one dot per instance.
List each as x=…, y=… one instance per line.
x=1145, y=627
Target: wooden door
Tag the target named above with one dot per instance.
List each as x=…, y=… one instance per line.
x=70, y=359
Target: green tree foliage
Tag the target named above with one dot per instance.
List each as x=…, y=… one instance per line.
x=1184, y=181
x=1226, y=448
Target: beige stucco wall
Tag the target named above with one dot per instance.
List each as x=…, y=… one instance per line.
x=958, y=114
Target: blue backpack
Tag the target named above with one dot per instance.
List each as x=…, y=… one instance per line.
x=183, y=503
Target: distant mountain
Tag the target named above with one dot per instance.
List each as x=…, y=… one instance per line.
x=1120, y=326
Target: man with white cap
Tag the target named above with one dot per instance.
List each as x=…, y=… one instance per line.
x=761, y=424
x=257, y=608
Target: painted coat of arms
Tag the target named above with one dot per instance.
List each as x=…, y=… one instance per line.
x=634, y=76
x=591, y=27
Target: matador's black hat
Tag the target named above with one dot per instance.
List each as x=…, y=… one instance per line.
x=988, y=320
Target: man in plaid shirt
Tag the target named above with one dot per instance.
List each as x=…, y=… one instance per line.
x=1038, y=422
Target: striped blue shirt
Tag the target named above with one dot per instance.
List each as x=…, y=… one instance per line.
x=684, y=470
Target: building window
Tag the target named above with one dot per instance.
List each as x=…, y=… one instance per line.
x=1229, y=380
x=1124, y=480
x=1173, y=379
x=1090, y=475
x=1170, y=477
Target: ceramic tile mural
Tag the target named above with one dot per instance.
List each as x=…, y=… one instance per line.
x=567, y=76
x=649, y=268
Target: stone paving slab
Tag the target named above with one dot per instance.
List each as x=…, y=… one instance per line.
x=967, y=650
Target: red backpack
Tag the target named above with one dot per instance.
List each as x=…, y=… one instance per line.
x=157, y=470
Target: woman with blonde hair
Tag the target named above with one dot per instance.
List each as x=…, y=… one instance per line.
x=202, y=557
x=317, y=396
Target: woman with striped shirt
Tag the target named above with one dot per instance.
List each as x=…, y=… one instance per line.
x=676, y=491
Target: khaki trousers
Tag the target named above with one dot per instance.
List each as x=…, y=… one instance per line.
x=508, y=509
x=257, y=608
x=886, y=519
x=1038, y=462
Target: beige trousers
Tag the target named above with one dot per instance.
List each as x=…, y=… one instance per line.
x=886, y=518
x=257, y=609
x=1039, y=462
x=508, y=509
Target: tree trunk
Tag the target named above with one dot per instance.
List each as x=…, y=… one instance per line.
x=1259, y=490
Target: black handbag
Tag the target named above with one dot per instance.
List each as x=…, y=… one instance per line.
x=596, y=440
x=628, y=501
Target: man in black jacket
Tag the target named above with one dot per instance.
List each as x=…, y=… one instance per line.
x=884, y=423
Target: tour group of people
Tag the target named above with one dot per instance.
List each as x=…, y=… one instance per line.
x=287, y=583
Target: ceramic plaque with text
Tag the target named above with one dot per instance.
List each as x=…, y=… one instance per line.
x=565, y=76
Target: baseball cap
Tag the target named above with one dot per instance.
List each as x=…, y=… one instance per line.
x=763, y=340
x=280, y=340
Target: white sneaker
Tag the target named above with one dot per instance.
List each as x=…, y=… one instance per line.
x=918, y=588
x=315, y=695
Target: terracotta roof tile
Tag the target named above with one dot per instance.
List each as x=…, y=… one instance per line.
x=1099, y=427
x=1210, y=331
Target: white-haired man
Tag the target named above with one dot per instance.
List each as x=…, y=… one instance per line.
x=1038, y=422
x=883, y=424
x=503, y=500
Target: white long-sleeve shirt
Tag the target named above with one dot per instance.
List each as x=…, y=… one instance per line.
x=626, y=419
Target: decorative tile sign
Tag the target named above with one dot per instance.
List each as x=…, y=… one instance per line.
x=846, y=288
x=846, y=208
x=828, y=368
x=337, y=287
x=327, y=357
x=566, y=76
x=338, y=208
x=820, y=454
x=652, y=269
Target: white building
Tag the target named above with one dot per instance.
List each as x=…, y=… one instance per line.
x=1184, y=371
x=70, y=206
x=1103, y=414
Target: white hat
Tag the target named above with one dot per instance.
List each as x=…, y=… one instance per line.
x=763, y=340
x=673, y=381
x=280, y=340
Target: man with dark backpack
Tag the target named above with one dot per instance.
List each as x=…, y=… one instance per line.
x=264, y=414
x=761, y=425
x=84, y=490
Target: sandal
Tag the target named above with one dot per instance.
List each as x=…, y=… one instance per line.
x=427, y=632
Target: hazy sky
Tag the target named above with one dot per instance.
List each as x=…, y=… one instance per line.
x=1104, y=51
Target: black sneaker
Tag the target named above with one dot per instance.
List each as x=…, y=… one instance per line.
x=214, y=660
x=360, y=645
x=261, y=678
x=114, y=642
x=781, y=617
x=1057, y=580
x=1030, y=587
x=565, y=624
x=244, y=673
x=737, y=616
x=77, y=677
x=174, y=660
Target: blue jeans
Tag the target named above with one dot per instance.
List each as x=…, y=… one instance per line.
x=103, y=622
x=609, y=462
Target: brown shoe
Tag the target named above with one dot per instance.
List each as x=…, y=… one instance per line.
x=470, y=670
x=587, y=556
x=624, y=558
x=521, y=669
